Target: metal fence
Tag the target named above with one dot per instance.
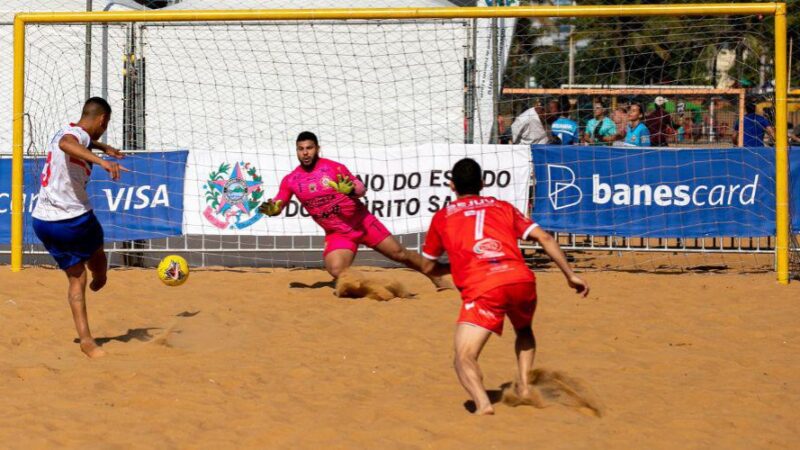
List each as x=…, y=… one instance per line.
x=306, y=251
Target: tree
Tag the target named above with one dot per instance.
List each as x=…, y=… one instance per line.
x=648, y=50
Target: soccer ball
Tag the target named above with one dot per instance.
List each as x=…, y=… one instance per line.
x=173, y=270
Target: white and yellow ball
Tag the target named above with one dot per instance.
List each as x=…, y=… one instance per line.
x=173, y=270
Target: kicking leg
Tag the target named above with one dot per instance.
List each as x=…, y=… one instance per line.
x=395, y=251
x=337, y=261
x=469, y=342
x=525, y=348
x=77, y=303
x=98, y=266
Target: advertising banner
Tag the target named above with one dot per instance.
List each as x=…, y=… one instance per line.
x=145, y=203
x=658, y=192
x=406, y=185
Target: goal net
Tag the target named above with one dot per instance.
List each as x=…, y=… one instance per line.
x=209, y=110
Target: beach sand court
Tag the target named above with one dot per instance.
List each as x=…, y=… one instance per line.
x=263, y=358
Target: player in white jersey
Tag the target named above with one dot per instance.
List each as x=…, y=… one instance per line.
x=63, y=219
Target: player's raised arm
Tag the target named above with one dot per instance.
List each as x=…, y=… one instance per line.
x=70, y=145
x=553, y=250
x=274, y=206
x=107, y=149
x=347, y=184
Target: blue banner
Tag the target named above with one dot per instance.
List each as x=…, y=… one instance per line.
x=658, y=192
x=145, y=203
x=794, y=188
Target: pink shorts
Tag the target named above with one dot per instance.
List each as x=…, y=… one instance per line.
x=371, y=232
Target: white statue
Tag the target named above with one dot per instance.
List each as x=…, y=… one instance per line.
x=726, y=59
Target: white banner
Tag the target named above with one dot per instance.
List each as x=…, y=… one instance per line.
x=406, y=186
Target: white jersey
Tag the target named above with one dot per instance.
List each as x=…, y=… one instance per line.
x=62, y=194
x=528, y=129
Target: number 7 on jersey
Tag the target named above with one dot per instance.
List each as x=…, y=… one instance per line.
x=480, y=216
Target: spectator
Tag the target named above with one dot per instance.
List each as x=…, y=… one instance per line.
x=600, y=129
x=659, y=123
x=723, y=130
x=620, y=119
x=680, y=134
x=503, y=131
x=528, y=129
x=553, y=112
x=794, y=133
x=564, y=128
x=754, y=128
x=694, y=112
x=687, y=125
x=636, y=133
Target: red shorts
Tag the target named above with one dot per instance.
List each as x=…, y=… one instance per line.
x=370, y=233
x=517, y=301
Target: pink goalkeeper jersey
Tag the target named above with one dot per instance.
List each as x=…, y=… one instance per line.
x=334, y=212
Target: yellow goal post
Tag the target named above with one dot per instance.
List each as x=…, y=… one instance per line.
x=777, y=10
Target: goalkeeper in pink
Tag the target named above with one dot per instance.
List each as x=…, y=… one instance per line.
x=330, y=193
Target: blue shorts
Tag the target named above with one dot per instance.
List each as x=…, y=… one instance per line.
x=70, y=241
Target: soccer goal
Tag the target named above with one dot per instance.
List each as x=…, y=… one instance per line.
x=208, y=105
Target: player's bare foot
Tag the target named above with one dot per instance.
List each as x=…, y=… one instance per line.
x=522, y=390
x=524, y=395
x=487, y=410
x=91, y=349
x=98, y=281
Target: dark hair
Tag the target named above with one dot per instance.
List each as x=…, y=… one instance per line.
x=750, y=106
x=467, y=177
x=96, y=106
x=563, y=105
x=307, y=136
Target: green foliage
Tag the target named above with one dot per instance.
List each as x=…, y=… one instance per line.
x=212, y=195
x=255, y=197
x=647, y=50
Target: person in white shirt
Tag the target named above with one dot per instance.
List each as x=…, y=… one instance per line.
x=528, y=128
x=63, y=218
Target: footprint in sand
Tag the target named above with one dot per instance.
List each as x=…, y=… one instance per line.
x=550, y=387
x=195, y=332
x=37, y=371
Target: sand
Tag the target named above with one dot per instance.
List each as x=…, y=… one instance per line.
x=272, y=359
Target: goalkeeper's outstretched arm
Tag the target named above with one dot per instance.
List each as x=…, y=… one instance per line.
x=271, y=207
x=274, y=206
x=347, y=184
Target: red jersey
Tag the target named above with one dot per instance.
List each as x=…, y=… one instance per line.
x=480, y=236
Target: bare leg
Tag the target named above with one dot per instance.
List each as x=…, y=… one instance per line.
x=469, y=342
x=98, y=265
x=77, y=303
x=525, y=347
x=338, y=261
x=395, y=251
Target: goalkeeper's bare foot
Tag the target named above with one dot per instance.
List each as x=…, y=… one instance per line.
x=91, y=349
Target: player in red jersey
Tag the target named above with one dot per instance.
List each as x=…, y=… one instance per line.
x=480, y=236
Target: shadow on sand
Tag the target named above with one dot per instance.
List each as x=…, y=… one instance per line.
x=133, y=334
